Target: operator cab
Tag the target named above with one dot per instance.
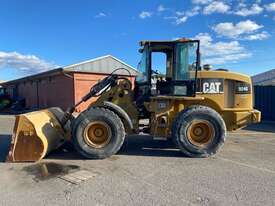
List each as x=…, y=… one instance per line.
x=177, y=68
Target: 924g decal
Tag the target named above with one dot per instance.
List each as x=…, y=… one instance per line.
x=242, y=88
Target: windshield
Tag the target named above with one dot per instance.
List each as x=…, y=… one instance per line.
x=143, y=66
x=186, y=55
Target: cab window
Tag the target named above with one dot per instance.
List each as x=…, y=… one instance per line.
x=143, y=66
x=186, y=55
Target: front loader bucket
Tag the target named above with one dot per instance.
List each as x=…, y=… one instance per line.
x=35, y=134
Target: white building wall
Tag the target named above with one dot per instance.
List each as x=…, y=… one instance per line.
x=265, y=78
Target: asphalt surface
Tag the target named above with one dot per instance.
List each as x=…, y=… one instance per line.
x=147, y=172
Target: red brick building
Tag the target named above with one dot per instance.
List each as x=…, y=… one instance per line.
x=65, y=86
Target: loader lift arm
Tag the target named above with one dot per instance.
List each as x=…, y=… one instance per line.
x=98, y=88
x=95, y=91
x=38, y=133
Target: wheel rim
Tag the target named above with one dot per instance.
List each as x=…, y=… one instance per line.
x=200, y=133
x=97, y=134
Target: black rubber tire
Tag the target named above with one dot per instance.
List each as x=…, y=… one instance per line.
x=183, y=121
x=98, y=114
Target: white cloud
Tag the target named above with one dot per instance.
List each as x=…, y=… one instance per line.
x=180, y=20
x=258, y=1
x=241, y=5
x=259, y=36
x=193, y=12
x=270, y=7
x=100, y=15
x=230, y=58
x=161, y=8
x=216, y=7
x=231, y=30
x=26, y=63
x=182, y=16
x=201, y=1
x=180, y=13
x=253, y=10
x=220, y=52
x=145, y=14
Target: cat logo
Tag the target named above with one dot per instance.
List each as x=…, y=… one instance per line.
x=212, y=86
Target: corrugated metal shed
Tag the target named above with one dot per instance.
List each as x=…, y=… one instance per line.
x=265, y=78
x=265, y=101
x=63, y=87
x=104, y=65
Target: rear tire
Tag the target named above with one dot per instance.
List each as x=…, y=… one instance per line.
x=199, y=131
x=98, y=133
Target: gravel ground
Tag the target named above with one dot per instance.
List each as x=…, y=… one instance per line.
x=146, y=172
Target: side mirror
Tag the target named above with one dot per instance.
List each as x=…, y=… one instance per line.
x=140, y=50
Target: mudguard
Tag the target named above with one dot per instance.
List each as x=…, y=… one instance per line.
x=120, y=112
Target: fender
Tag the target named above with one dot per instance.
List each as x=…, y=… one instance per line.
x=119, y=111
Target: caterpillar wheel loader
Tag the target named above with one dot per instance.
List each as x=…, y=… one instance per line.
x=187, y=103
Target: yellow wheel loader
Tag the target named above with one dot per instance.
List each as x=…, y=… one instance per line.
x=190, y=104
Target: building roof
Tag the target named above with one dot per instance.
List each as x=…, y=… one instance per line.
x=49, y=73
x=104, y=65
x=264, y=78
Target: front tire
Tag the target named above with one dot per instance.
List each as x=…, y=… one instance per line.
x=98, y=133
x=199, y=131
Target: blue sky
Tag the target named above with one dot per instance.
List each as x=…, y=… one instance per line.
x=39, y=35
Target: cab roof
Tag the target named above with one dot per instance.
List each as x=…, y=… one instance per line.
x=142, y=43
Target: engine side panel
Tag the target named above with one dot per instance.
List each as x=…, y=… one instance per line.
x=228, y=93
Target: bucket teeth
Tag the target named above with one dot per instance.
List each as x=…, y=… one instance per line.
x=36, y=134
